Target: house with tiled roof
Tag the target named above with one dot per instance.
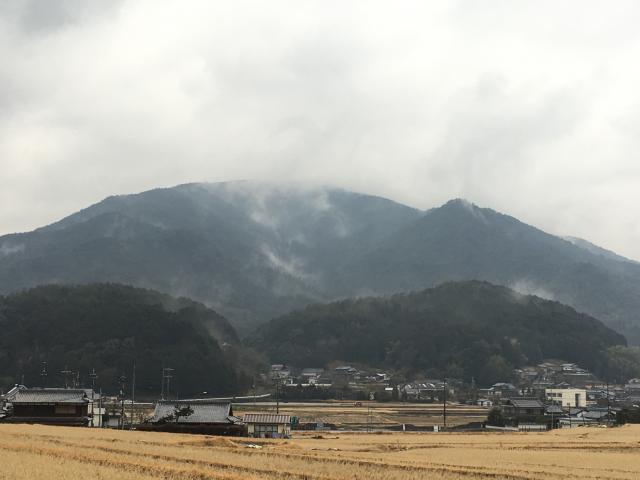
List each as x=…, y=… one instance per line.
x=203, y=416
x=51, y=406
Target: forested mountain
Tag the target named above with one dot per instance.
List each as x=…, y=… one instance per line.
x=253, y=251
x=458, y=329
x=108, y=327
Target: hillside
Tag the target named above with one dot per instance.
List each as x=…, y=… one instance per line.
x=463, y=330
x=253, y=251
x=107, y=327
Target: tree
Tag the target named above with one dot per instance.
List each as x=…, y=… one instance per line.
x=180, y=411
x=495, y=417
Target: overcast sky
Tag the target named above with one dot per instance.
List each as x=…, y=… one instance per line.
x=531, y=108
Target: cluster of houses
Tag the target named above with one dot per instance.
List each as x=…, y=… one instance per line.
x=333, y=382
x=85, y=408
x=557, y=395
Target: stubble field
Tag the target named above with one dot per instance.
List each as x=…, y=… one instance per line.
x=40, y=452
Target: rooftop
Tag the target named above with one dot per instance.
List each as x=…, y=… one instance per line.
x=204, y=411
x=526, y=403
x=266, y=418
x=50, y=396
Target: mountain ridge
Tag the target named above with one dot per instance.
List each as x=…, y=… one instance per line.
x=255, y=250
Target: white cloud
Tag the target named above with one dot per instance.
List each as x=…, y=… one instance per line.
x=531, y=108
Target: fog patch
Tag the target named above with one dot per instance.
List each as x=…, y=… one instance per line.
x=473, y=209
x=293, y=267
x=528, y=287
x=7, y=249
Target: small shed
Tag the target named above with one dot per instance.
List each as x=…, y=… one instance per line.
x=268, y=425
x=53, y=406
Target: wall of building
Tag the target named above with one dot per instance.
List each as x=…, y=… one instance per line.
x=567, y=397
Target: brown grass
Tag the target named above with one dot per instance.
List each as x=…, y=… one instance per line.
x=40, y=452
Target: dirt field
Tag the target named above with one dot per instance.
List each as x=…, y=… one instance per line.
x=39, y=452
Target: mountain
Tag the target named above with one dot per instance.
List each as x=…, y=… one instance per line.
x=108, y=327
x=460, y=329
x=461, y=241
x=249, y=250
x=253, y=251
x=582, y=243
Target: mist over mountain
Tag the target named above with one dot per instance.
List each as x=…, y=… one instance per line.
x=458, y=329
x=254, y=251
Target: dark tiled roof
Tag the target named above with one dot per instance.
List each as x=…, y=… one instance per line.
x=268, y=418
x=50, y=395
x=204, y=411
x=526, y=403
x=554, y=409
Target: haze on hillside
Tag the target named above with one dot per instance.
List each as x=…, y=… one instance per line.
x=529, y=108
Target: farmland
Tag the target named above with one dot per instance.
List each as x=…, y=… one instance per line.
x=349, y=415
x=40, y=452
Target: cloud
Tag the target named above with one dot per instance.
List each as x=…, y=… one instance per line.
x=531, y=109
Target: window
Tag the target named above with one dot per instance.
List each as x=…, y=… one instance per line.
x=266, y=429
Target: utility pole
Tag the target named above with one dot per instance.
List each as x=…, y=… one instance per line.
x=66, y=372
x=123, y=379
x=253, y=386
x=444, y=405
x=167, y=375
x=100, y=410
x=277, y=396
x=608, y=405
x=43, y=374
x=93, y=375
x=133, y=394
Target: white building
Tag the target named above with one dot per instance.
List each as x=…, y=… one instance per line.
x=566, y=397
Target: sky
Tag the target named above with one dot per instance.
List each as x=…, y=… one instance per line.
x=531, y=108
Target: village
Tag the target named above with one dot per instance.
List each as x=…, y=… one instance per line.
x=551, y=395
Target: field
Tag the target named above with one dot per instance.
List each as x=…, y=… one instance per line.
x=40, y=452
x=372, y=415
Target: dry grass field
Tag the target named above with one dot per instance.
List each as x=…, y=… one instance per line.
x=40, y=452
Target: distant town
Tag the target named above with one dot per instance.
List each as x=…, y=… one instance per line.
x=551, y=395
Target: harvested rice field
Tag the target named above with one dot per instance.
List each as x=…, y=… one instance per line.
x=41, y=452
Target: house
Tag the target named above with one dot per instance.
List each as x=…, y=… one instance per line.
x=582, y=417
x=632, y=387
x=502, y=390
x=566, y=397
x=201, y=416
x=522, y=410
x=343, y=375
x=484, y=402
x=51, y=406
x=268, y=425
x=280, y=372
x=311, y=375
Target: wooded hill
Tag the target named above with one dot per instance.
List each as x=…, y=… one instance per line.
x=459, y=329
x=108, y=327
